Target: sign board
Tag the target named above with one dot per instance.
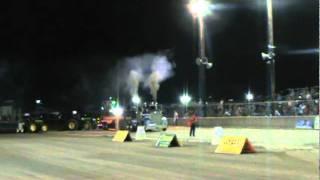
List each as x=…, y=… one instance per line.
x=217, y=135
x=167, y=140
x=304, y=124
x=141, y=133
x=122, y=136
x=234, y=145
x=316, y=124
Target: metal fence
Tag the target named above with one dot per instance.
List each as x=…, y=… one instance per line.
x=274, y=108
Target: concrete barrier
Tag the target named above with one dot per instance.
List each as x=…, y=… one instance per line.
x=281, y=122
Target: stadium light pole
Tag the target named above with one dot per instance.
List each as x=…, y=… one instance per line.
x=269, y=57
x=249, y=97
x=117, y=112
x=199, y=10
x=185, y=99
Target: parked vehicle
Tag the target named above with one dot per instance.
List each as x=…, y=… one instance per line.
x=69, y=120
x=12, y=120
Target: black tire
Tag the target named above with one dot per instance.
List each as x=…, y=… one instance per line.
x=87, y=126
x=164, y=129
x=44, y=128
x=32, y=127
x=72, y=125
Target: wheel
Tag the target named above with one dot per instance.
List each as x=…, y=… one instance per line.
x=87, y=126
x=33, y=127
x=72, y=125
x=164, y=129
x=44, y=128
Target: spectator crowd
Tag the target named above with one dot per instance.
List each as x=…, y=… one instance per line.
x=290, y=102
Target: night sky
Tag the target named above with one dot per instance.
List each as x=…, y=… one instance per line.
x=66, y=52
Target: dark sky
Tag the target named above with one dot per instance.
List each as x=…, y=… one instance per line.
x=65, y=52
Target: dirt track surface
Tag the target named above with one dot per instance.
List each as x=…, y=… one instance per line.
x=92, y=155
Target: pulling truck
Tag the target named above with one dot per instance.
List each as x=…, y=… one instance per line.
x=150, y=116
x=154, y=121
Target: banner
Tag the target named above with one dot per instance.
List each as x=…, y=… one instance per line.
x=316, y=123
x=304, y=124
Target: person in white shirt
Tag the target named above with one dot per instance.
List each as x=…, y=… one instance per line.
x=175, y=118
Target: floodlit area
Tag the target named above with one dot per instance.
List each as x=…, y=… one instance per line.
x=269, y=139
x=281, y=154
x=173, y=90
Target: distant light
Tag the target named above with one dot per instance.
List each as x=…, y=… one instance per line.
x=249, y=96
x=117, y=111
x=199, y=8
x=113, y=103
x=308, y=96
x=26, y=114
x=136, y=99
x=185, y=99
x=38, y=101
x=102, y=108
x=74, y=112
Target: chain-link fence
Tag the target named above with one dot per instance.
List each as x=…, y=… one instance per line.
x=274, y=108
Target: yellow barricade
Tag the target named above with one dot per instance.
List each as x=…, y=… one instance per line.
x=122, y=136
x=234, y=145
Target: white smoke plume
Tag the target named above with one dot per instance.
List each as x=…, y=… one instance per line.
x=134, y=79
x=150, y=70
x=161, y=69
x=153, y=84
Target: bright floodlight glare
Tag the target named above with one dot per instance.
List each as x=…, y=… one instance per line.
x=136, y=99
x=185, y=99
x=199, y=8
x=209, y=65
x=249, y=96
x=117, y=111
x=38, y=101
x=74, y=112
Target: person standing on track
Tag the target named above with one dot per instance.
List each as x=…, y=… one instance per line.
x=175, y=118
x=192, y=122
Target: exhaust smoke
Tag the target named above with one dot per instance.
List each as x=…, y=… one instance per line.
x=150, y=70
